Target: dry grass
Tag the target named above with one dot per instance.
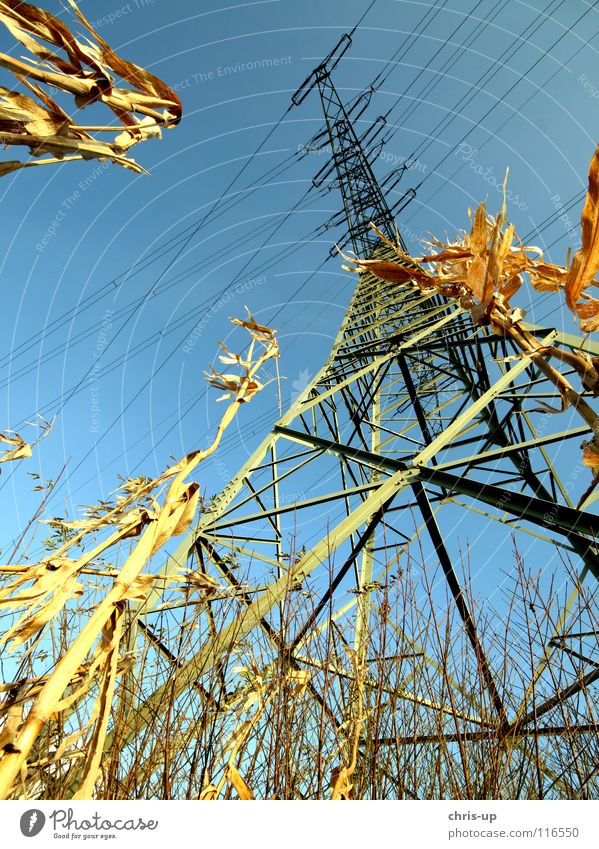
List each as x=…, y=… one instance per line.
x=42, y=592
x=253, y=728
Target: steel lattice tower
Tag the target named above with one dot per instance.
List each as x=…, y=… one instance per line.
x=418, y=421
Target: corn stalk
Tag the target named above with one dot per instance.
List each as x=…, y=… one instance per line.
x=86, y=69
x=50, y=584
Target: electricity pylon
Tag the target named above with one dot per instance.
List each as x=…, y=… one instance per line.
x=421, y=433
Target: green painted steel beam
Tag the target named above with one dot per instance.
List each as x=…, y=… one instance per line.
x=571, y=340
x=219, y=525
x=251, y=617
x=377, y=362
x=548, y=514
x=565, y=520
x=498, y=453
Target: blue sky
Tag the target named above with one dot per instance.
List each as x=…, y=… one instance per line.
x=84, y=245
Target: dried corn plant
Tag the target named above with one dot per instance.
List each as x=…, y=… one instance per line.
x=153, y=510
x=87, y=69
x=341, y=784
x=247, y=709
x=16, y=447
x=484, y=268
x=427, y=728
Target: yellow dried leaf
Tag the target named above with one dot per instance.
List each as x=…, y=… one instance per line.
x=588, y=313
x=201, y=581
x=477, y=239
x=11, y=165
x=387, y=270
x=13, y=715
x=111, y=635
x=299, y=680
x=244, y=792
x=590, y=456
x=476, y=277
x=340, y=784
x=586, y=260
x=140, y=587
x=252, y=324
x=142, y=131
x=135, y=75
x=86, y=69
x=20, y=450
x=20, y=113
x=177, y=515
x=547, y=277
x=208, y=793
x=511, y=286
x=476, y=274
x=30, y=624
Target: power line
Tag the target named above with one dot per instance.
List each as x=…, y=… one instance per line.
x=167, y=359
x=148, y=259
x=229, y=441
x=499, y=100
x=384, y=74
x=418, y=98
x=144, y=344
x=83, y=335
x=491, y=72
